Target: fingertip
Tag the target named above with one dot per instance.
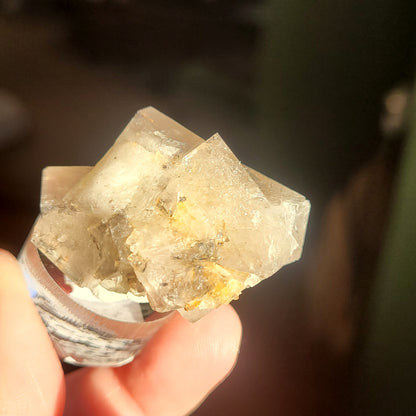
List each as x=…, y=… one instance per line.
x=11, y=276
x=176, y=370
x=6, y=255
x=184, y=362
x=7, y=260
x=225, y=326
x=31, y=379
x=230, y=319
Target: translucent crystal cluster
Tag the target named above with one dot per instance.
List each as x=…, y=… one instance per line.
x=170, y=216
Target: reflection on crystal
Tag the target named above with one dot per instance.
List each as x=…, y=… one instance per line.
x=168, y=215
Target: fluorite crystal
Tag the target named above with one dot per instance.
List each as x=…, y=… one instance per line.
x=170, y=216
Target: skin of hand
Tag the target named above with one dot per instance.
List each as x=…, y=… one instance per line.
x=173, y=374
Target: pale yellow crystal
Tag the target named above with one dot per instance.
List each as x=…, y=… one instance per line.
x=171, y=216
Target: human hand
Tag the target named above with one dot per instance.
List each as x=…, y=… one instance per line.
x=176, y=370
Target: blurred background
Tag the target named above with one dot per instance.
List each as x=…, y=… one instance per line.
x=315, y=94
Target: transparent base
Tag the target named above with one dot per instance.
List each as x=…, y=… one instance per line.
x=85, y=332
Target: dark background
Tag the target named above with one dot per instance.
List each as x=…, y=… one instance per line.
x=311, y=93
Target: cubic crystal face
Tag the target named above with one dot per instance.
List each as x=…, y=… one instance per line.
x=168, y=215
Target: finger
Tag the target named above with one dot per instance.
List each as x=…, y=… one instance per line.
x=31, y=378
x=177, y=369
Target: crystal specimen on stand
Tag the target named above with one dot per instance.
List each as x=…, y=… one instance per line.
x=168, y=215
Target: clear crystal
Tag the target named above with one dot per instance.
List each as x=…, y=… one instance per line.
x=169, y=215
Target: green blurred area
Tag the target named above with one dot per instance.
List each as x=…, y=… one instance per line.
x=386, y=370
x=325, y=66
